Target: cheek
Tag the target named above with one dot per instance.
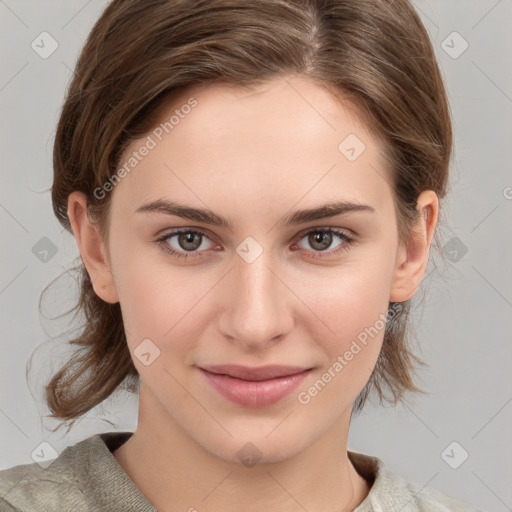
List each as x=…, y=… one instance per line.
x=146, y=299
x=159, y=301
x=349, y=299
x=355, y=310
x=353, y=303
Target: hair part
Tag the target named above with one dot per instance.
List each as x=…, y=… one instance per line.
x=374, y=53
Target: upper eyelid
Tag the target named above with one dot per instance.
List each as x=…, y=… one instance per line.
x=342, y=232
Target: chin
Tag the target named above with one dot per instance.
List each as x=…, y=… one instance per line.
x=256, y=445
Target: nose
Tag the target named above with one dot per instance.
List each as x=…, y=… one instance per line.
x=258, y=307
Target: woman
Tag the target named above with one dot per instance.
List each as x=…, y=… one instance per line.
x=254, y=188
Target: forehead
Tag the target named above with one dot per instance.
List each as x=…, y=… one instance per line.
x=285, y=140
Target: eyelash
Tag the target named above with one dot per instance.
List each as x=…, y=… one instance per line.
x=347, y=240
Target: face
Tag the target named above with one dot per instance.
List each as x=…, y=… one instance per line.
x=268, y=286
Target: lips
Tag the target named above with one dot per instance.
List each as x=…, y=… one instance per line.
x=255, y=374
x=254, y=387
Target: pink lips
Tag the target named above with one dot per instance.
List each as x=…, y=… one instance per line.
x=254, y=387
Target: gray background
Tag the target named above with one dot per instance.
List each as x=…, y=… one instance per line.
x=463, y=315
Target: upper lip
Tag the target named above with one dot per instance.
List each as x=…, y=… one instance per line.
x=255, y=373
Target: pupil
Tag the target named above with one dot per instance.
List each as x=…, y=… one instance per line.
x=322, y=237
x=186, y=239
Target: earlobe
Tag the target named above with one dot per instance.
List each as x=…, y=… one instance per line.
x=92, y=248
x=412, y=257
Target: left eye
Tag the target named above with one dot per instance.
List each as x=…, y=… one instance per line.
x=322, y=238
x=190, y=241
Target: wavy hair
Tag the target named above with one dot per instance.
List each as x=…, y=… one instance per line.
x=376, y=53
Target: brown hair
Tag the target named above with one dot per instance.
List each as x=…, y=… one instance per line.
x=376, y=53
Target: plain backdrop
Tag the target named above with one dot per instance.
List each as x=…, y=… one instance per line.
x=456, y=437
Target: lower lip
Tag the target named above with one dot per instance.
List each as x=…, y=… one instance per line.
x=250, y=393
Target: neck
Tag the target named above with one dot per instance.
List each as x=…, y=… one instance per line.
x=175, y=473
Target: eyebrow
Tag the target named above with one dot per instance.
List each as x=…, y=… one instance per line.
x=207, y=216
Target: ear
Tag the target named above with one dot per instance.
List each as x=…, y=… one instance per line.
x=412, y=257
x=92, y=248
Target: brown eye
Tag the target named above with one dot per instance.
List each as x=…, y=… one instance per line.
x=320, y=240
x=189, y=241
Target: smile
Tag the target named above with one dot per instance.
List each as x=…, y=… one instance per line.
x=254, y=387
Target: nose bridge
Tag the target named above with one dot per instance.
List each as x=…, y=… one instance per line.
x=257, y=310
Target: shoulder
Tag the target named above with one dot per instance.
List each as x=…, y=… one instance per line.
x=429, y=499
x=34, y=487
x=390, y=491
x=5, y=506
x=68, y=483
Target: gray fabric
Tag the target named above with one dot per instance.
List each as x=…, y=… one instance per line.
x=87, y=477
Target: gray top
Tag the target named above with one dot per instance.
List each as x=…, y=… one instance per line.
x=87, y=477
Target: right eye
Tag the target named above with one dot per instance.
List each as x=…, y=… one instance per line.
x=188, y=242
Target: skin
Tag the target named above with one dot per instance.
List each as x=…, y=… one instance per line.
x=253, y=157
